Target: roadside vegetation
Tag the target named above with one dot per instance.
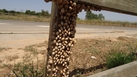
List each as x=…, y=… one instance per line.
x=28, y=15
x=117, y=58
x=3, y=49
x=27, y=67
x=89, y=56
x=44, y=16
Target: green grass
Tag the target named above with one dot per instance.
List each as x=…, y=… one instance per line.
x=121, y=53
x=28, y=67
x=31, y=49
x=119, y=58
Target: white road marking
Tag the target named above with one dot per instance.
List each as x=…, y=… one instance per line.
x=4, y=23
x=42, y=26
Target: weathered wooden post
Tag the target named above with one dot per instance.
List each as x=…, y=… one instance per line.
x=61, y=36
x=60, y=40
x=62, y=29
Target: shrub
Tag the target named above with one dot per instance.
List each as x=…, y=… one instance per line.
x=28, y=68
x=119, y=58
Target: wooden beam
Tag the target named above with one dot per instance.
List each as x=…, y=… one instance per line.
x=120, y=6
x=61, y=39
x=62, y=29
x=49, y=49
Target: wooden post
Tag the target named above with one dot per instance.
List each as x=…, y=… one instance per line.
x=62, y=32
x=120, y=6
x=49, y=49
x=61, y=38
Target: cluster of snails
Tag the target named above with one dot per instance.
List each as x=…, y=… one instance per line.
x=63, y=35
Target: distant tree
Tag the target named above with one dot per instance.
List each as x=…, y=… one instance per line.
x=90, y=16
x=95, y=16
x=1, y=10
x=45, y=13
x=28, y=12
x=101, y=17
x=18, y=12
x=38, y=13
x=5, y=11
x=12, y=11
x=33, y=13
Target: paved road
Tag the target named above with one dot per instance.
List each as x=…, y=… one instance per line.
x=14, y=26
x=14, y=31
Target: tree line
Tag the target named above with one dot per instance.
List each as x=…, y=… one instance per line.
x=89, y=15
x=92, y=16
x=27, y=12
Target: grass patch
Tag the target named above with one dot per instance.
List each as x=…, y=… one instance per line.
x=120, y=51
x=12, y=58
x=104, y=51
x=27, y=68
x=31, y=49
x=108, y=23
x=119, y=58
x=1, y=48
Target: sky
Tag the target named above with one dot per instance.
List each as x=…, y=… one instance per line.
x=38, y=5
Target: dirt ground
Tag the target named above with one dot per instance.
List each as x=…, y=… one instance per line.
x=20, y=41
x=88, y=55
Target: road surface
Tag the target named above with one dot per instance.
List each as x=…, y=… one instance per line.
x=20, y=33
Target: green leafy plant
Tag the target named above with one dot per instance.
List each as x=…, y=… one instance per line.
x=26, y=70
x=119, y=58
x=28, y=67
x=31, y=49
x=78, y=74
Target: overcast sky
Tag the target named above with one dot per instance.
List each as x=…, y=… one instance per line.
x=38, y=5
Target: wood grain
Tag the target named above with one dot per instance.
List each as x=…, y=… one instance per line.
x=120, y=6
x=52, y=26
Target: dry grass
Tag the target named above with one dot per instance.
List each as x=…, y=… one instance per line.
x=25, y=17
x=82, y=64
x=86, y=48
x=4, y=49
x=11, y=58
x=90, y=22
x=1, y=48
x=107, y=23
